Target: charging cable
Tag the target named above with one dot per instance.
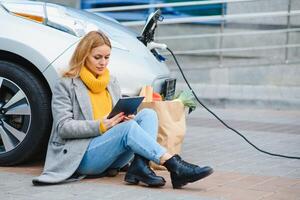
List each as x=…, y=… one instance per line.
x=218, y=118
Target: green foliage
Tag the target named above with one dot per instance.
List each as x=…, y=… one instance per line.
x=187, y=98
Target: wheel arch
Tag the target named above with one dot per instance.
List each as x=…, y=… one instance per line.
x=15, y=58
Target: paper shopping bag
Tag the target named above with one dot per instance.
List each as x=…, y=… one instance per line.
x=172, y=125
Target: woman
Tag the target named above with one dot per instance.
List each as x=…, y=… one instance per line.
x=85, y=142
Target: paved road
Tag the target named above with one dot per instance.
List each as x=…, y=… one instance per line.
x=241, y=172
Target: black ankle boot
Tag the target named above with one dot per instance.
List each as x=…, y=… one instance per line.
x=183, y=172
x=139, y=170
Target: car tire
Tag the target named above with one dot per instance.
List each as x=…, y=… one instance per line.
x=25, y=114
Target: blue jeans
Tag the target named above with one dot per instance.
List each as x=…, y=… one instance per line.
x=116, y=147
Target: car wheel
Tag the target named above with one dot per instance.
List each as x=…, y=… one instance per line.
x=25, y=114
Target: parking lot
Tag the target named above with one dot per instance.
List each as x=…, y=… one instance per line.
x=241, y=172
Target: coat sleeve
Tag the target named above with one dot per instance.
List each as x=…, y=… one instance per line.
x=66, y=126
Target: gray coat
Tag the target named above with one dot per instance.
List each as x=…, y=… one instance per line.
x=73, y=128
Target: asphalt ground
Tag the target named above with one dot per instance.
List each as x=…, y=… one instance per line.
x=241, y=172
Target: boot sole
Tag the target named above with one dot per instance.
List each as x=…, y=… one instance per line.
x=179, y=183
x=134, y=180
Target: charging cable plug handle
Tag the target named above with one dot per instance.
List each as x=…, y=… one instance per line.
x=154, y=45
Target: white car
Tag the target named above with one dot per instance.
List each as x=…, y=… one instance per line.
x=37, y=40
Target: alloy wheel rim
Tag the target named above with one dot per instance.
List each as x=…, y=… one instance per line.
x=15, y=115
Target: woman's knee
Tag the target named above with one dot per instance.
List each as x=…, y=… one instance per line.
x=124, y=128
x=149, y=113
x=133, y=129
x=130, y=125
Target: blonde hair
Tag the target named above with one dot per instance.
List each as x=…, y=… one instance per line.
x=91, y=40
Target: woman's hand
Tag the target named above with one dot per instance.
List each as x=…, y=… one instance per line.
x=108, y=123
x=129, y=117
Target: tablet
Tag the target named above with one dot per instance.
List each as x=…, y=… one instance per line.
x=128, y=105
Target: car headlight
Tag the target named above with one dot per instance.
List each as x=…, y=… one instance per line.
x=58, y=17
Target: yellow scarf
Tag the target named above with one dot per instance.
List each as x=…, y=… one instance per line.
x=98, y=93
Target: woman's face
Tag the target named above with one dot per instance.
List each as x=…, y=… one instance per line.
x=98, y=59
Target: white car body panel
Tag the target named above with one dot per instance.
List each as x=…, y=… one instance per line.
x=132, y=71
x=131, y=62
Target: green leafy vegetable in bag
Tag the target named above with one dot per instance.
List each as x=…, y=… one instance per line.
x=187, y=98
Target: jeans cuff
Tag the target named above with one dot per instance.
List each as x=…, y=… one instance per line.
x=159, y=154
